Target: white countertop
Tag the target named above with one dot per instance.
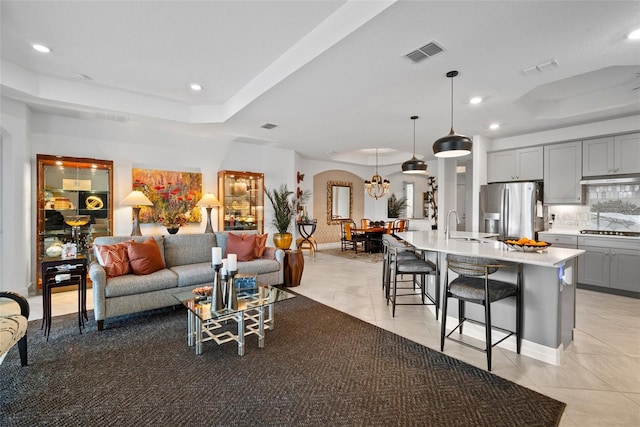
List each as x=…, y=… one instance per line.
x=486, y=247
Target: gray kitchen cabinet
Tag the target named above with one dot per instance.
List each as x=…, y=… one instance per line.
x=562, y=173
x=559, y=240
x=610, y=263
x=611, y=155
x=593, y=266
x=523, y=164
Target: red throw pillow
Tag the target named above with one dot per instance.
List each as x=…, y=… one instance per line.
x=261, y=244
x=114, y=259
x=243, y=245
x=145, y=257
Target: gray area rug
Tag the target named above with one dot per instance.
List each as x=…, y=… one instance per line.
x=351, y=254
x=319, y=367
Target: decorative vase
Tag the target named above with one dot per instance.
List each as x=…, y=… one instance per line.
x=282, y=240
x=173, y=230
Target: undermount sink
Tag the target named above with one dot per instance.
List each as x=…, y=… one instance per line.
x=467, y=239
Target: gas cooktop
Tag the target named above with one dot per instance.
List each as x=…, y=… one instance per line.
x=611, y=233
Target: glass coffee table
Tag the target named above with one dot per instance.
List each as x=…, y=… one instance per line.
x=204, y=325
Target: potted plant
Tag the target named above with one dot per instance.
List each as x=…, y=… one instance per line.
x=285, y=206
x=395, y=205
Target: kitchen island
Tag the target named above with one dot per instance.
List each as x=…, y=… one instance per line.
x=548, y=290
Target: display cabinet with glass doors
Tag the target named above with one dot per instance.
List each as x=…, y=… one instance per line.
x=241, y=195
x=74, y=204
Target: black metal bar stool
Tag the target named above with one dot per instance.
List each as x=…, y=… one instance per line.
x=401, y=260
x=474, y=285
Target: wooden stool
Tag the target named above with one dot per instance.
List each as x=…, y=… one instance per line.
x=308, y=243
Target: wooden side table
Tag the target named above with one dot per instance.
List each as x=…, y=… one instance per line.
x=293, y=267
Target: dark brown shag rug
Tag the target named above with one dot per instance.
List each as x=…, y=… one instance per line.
x=319, y=367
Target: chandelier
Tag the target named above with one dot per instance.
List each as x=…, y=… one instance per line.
x=377, y=187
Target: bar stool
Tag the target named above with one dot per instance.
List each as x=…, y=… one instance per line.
x=474, y=285
x=403, y=260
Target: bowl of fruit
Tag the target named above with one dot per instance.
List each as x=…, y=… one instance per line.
x=525, y=244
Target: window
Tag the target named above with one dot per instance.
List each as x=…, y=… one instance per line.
x=407, y=190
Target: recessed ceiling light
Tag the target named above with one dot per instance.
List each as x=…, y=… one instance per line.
x=634, y=35
x=41, y=48
x=195, y=86
x=475, y=100
x=494, y=126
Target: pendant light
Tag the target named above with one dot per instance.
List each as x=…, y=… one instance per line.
x=377, y=187
x=452, y=145
x=415, y=165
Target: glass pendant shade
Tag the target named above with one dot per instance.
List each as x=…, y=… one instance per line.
x=452, y=145
x=415, y=165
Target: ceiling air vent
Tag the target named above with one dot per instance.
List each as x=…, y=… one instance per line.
x=426, y=51
x=268, y=126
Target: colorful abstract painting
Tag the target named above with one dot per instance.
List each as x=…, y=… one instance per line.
x=174, y=196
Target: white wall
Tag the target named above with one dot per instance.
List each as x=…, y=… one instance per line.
x=16, y=237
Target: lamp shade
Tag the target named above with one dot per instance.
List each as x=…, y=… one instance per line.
x=208, y=201
x=415, y=165
x=452, y=145
x=136, y=198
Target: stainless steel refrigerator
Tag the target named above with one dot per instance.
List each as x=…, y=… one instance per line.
x=512, y=210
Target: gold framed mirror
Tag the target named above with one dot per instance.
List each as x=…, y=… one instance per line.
x=339, y=201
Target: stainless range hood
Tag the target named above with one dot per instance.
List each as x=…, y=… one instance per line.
x=610, y=181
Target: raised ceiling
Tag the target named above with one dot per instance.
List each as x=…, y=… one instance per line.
x=332, y=75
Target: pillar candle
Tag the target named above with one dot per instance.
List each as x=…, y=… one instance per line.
x=223, y=271
x=233, y=262
x=225, y=264
x=216, y=256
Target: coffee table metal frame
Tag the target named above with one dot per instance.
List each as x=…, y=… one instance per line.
x=203, y=325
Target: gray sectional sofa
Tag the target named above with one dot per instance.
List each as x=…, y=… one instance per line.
x=188, y=265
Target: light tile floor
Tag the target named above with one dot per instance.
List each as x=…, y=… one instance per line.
x=599, y=378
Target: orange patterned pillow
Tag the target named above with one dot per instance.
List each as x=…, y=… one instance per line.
x=145, y=257
x=261, y=244
x=243, y=245
x=114, y=259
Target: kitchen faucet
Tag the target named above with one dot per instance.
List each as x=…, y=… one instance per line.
x=446, y=228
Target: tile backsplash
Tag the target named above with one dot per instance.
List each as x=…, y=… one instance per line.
x=608, y=207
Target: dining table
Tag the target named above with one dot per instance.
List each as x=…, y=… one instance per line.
x=373, y=243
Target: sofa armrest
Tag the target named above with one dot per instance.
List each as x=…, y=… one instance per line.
x=99, y=284
x=278, y=254
x=19, y=299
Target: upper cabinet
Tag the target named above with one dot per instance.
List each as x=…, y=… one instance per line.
x=242, y=197
x=74, y=203
x=562, y=173
x=524, y=164
x=612, y=155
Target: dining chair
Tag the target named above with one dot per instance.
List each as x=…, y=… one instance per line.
x=401, y=225
x=388, y=227
x=364, y=222
x=350, y=238
x=474, y=285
